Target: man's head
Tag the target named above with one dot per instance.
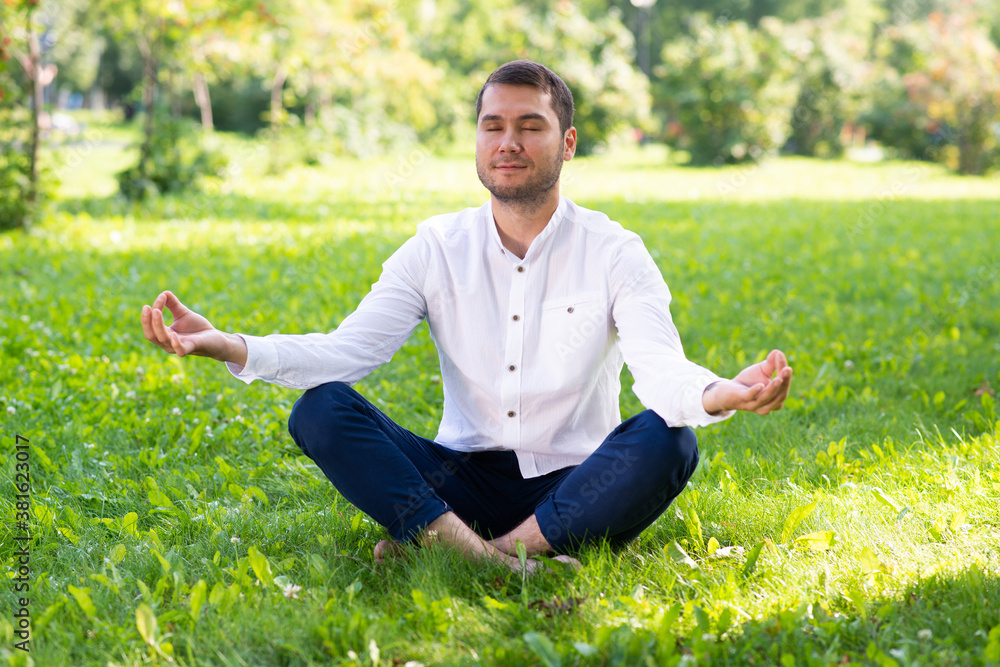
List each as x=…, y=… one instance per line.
x=524, y=133
x=528, y=73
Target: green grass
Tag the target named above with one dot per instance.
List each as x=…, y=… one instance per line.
x=151, y=475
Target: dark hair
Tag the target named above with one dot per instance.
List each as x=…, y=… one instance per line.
x=528, y=73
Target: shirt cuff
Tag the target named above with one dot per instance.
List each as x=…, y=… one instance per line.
x=698, y=416
x=262, y=360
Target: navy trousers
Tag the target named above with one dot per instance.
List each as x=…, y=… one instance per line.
x=404, y=481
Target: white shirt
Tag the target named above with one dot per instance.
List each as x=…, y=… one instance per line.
x=531, y=349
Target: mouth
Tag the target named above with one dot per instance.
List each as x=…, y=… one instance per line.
x=509, y=167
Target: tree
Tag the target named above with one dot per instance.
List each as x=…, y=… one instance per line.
x=20, y=186
x=941, y=96
x=726, y=93
x=832, y=73
x=594, y=57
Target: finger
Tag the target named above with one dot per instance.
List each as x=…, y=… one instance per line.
x=160, y=300
x=175, y=306
x=777, y=399
x=748, y=396
x=778, y=360
x=147, y=325
x=180, y=348
x=774, y=389
x=768, y=393
x=148, y=328
x=160, y=330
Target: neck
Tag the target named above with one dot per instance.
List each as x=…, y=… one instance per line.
x=518, y=223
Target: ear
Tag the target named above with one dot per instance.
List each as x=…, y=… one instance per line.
x=569, y=144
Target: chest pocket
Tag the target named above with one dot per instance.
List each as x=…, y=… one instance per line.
x=573, y=336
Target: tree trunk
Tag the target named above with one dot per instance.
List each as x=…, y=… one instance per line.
x=148, y=101
x=204, y=101
x=175, y=99
x=972, y=136
x=277, y=111
x=148, y=43
x=35, y=71
x=277, y=104
x=324, y=109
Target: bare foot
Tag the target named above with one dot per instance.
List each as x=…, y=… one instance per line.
x=535, y=566
x=387, y=549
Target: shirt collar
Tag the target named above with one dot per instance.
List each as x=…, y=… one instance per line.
x=550, y=227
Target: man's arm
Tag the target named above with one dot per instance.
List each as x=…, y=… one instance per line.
x=190, y=333
x=364, y=340
x=680, y=391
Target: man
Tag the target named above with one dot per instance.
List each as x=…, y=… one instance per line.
x=534, y=303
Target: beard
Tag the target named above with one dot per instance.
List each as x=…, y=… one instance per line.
x=529, y=194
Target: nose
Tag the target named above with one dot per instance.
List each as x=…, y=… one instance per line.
x=509, y=143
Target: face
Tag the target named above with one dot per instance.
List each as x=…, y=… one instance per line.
x=519, y=148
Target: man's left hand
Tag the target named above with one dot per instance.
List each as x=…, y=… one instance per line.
x=759, y=388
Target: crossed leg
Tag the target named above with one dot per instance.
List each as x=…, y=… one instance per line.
x=428, y=494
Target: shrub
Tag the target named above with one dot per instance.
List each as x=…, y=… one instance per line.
x=943, y=100
x=831, y=74
x=177, y=161
x=14, y=167
x=15, y=133
x=726, y=91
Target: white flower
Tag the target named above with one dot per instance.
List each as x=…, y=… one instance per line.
x=11, y=409
x=176, y=412
x=234, y=539
x=238, y=418
x=189, y=398
x=925, y=634
x=130, y=394
x=291, y=591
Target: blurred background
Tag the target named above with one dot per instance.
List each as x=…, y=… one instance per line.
x=717, y=82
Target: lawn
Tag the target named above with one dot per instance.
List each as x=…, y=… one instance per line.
x=174, y=521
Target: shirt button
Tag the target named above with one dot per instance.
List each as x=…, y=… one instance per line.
x=511, y=413
x=516, y=318
x=520, y=269
x=511, y=368
x=570, y=309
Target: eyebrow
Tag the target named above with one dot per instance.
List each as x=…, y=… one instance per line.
x=527, y=116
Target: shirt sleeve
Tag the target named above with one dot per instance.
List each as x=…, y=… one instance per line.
x=366, y=339
x=665, y=380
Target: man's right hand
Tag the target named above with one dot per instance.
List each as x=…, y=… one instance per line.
x=190, y=333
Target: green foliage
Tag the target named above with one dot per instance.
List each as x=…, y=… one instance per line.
x=592, y=55
x=726, y=93
x=831, y=71
x=179, y=159
x=939, y=94
x=15, y=126
x=14, y=168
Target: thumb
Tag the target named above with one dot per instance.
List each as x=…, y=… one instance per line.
x=177, y=309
